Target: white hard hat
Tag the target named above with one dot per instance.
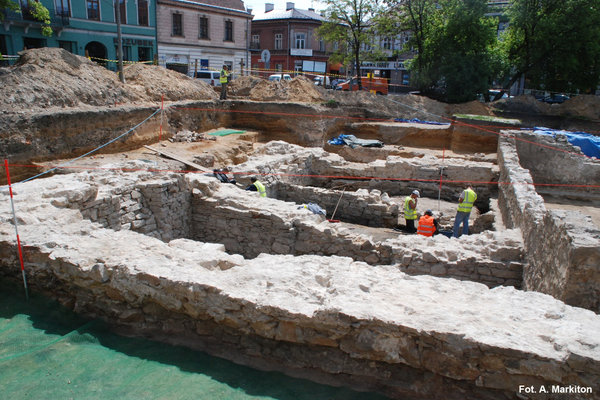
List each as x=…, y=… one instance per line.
x=416, y=192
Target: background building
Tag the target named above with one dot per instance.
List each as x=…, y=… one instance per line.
x=85, y=28
x=288, y=39
x=203, y=35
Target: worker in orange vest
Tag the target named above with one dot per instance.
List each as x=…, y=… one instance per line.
x=428, y=225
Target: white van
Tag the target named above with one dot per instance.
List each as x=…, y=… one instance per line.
x=277, y=77
x=318, y=80
x=210, y=77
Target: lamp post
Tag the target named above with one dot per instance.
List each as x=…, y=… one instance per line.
x=119, y=41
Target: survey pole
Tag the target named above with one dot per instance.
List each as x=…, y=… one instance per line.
x=16, y=230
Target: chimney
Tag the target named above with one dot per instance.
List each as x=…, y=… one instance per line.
x=269, y=7
x=311, y=9
x=289, y=6
x=249, y=10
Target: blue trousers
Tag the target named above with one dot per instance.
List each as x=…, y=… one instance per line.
x=461, y=218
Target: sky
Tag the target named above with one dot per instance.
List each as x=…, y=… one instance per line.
x=259, y=5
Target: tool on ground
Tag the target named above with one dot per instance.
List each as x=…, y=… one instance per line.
x=336, y=207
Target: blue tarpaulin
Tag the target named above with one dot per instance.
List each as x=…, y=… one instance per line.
x=588, y=143
x=418, y=121
x=353, y=141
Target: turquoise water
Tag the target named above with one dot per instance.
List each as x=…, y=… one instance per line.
x=48, y=352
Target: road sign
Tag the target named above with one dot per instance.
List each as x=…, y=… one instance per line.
x=265, y=56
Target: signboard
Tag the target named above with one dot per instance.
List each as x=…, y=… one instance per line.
x=265, y=56
x=301, y=52
x=176, y=59
x=382, y=65
x=314, y=66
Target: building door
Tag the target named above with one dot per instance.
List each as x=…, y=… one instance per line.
x=33, y=43
x=97, y=52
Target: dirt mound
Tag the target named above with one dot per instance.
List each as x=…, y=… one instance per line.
x=243, y=85
x=155, y=81
x=585, y=106
x=473, y=107
x=299, y=89
x=523, y=104
x=53, y=77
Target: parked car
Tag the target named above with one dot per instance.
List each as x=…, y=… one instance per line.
x=210, y=77
x=556, y=98
x=318, y=80
x=377, y=85
x=277, y=77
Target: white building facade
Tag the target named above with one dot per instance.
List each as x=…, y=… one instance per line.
x=203, y=35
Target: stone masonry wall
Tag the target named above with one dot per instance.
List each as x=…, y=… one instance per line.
x=373, y=327
x=360, y=207
x=563, y=249
x=155, y=207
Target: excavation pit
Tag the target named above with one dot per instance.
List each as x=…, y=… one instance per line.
x=329, y=318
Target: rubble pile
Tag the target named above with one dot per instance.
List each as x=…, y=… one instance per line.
x=189, y=137
x=299, y=89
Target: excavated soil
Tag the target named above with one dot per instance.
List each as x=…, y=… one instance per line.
x=54, y=78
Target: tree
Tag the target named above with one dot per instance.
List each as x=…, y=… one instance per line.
x=457, y=53
x=37, y=10
x=555, y=44
x=410, y=15
x=350, y=24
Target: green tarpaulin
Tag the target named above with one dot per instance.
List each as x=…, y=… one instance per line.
x=225, y=132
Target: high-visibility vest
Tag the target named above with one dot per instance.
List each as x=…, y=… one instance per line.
x=223, y=77
x=409, y=213
x=426, y=226
x=469, y=198
x=261, y=189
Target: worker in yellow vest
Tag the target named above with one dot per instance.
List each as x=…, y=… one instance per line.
x=224, y=81
x=410, y=211
x=465, y=205
x=427, y=224
x=257, y=186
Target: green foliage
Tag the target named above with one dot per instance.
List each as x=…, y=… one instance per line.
x=555, y=44
x=38, y=11
x=458, y=55
x=7, y=5
x=41, y=14
x=349, y=23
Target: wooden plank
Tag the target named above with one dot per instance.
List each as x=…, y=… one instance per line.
x=177, y=158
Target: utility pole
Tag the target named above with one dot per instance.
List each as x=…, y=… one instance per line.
x=119, y=41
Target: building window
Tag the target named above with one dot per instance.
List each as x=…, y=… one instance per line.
x=386, y=43
x=123, y=11
x=278, y=41
x=279, y=67
x=321, y=45
x=177, y=25
x=228, y=31
x=63, y=8
x=144, y=53
x=143, y=12
x=68, y=46
x=126, y=52
x=300, y=40
x=203, y=27
x=93, y=9
x=256, y=41
x=336, y=46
